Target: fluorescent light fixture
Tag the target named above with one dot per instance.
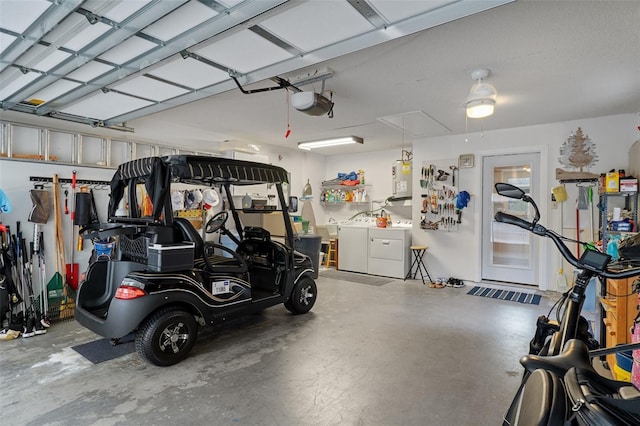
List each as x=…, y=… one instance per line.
x=330, y=142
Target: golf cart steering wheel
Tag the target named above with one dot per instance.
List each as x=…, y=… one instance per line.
x=216, y=222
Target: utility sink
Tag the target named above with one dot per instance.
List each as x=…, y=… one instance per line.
x=332, y=229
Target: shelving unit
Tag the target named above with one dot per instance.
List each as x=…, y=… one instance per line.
x=630, y=200
x=618, y=304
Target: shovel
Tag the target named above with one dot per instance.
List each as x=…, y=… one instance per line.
x=73, y=269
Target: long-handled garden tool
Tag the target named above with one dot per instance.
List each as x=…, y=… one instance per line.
x=560, y=194
x=33, y=325
x=73, y=269
x=593, y=232
x=56, y=283
x=67, y=305
x=22, y=275
x=44, y=297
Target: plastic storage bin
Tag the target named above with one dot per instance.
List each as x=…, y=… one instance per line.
x=170, y=257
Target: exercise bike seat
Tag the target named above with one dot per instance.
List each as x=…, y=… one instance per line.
x=574, y=354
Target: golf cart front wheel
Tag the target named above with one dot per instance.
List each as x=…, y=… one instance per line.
x=303, y=296
x=166, y=338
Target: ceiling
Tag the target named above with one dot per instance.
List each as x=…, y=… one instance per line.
x=162, y=68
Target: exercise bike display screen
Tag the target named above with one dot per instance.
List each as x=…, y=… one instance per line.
x=595, y=259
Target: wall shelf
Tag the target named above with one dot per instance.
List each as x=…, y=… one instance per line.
x=341, y=203
x=630, y=200
x=332, y=194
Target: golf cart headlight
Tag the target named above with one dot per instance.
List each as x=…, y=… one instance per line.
x=130, y=289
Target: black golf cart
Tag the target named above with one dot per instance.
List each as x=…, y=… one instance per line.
x=163, y=280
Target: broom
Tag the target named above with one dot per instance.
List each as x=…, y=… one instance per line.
x=56, y=283
x=560, y=194
x=67, y=306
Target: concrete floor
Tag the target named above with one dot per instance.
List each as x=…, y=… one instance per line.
x=397, y=354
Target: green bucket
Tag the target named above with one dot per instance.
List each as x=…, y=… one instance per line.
x=305, y=226
x=55, y=292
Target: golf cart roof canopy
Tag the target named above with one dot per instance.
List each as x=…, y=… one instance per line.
x=157, y=173
x=203, y=170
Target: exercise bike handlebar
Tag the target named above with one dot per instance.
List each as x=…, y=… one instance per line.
x=538, y=229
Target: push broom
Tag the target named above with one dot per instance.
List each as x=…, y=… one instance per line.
x=67, y=305
x=560, y=194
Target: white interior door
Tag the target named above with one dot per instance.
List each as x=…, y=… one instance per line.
x=509, y=253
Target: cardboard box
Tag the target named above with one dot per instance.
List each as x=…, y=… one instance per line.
x=628, y=185
x=612, y=182
x=621, y=226
x=272, y=222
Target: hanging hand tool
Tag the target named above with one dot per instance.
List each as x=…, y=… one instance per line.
x=425, y=203
x=66, y=201
x=454, y=169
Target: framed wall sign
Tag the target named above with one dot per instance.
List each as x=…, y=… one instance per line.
x=465, y=161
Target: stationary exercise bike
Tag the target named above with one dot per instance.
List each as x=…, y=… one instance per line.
x=560, y=385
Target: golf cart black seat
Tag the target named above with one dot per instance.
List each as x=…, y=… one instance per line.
x=259, y=250
x=186, y=232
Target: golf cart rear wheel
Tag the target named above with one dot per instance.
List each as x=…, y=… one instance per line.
x=303, y=296
x=166, y=337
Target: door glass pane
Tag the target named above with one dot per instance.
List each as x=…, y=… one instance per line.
x=511, y=245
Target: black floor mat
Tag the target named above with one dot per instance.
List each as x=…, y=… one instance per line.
x=355, y=277
x=102, y=350
x=510, y=295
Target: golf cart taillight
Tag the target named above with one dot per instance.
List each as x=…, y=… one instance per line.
x=126, y=292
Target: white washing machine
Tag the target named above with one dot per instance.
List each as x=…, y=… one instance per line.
x=352, y=247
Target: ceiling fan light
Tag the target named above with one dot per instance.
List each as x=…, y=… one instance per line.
x=482, y=91
x=480, y=108
x=482, y=97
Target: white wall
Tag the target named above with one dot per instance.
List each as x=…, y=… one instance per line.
x=14, y=181
x=451, y=254
x=634, y=162
x=634, y=159
x=377, y=170
x=458, y=253
x=302, y=165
